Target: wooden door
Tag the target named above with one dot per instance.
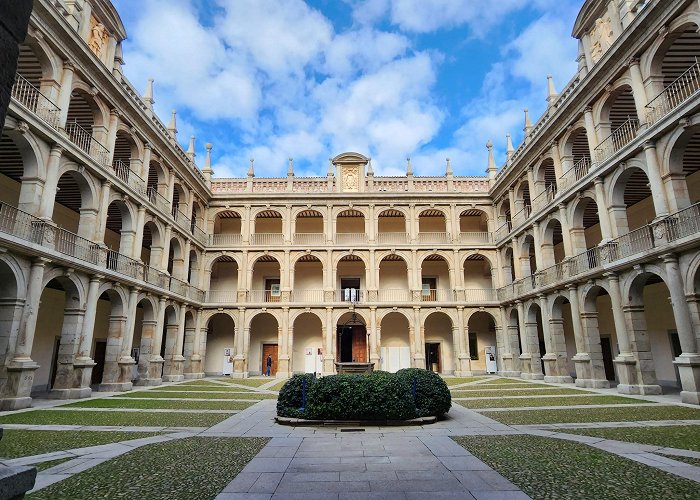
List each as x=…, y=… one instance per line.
x=359, y=344
x=270, y=349
x=99, y=357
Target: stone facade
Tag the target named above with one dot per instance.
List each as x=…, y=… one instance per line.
x=123, y=263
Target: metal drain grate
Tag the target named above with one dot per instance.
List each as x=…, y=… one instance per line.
x=352, y=430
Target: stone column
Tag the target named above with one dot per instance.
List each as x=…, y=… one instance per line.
x=511, y=358
x=603, y=215
x=174, y=341
x=239, y=359
x=538, y=248
x=126, y=361
x=530, y=358
x=419, y=346
x=635, y=365
x=638, y=90
x=565, y=230
x=461, y=341
x=193, y=348
x=581, y=359
x=112, y=377
x=374, y=346
x=65, y=93
x=656, y=185
x=556, y=158
x=590, y=129
x=166, y=248
x=48, y=195
x=102, y=214
x=555, y=360
x=84, y=363
x=329, y=344
x=138, y=239
x=688, y=362
x=20, y=370
x=589, y=358
x=284, y=332
x=112, y=134
x=155, y=362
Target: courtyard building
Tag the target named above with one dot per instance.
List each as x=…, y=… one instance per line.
x=124, y=263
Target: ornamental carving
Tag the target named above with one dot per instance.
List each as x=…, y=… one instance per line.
x=351, y=179
x=601, y=38
x=98, y=37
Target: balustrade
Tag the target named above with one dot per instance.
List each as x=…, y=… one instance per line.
x=266, y=239
x=351, y=238
x=307, y=296
x=475, y=238
x=621, y=136
x=309, y=238
x=394, y=295
x=391, y=238
x=679, y=91
x=433, y=237
x=87, y=143
x=31, y=98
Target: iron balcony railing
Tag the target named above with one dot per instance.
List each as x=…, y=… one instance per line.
x=577, y=172
x=158, y=199
x=31, y=229
x=679, y=91
x=618, y=139
x=545, y=197
x=87, y=143
x=657, y=234
x=129, y=177
x=31, y=98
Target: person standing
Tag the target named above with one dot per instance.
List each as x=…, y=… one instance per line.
x=268, y=364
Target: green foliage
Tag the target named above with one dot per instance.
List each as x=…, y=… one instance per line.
x=432, y=394
x=290, y=397
x=377, y=396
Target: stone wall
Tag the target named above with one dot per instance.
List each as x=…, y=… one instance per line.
x=14, y=20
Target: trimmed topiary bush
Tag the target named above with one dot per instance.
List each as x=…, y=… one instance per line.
x=432, y=394
x=289, y=400
x=377, y=396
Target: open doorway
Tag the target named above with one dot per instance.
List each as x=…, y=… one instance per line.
x=432, y=357
x=269, y=350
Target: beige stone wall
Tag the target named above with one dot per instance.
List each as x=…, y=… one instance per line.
x=308, y=334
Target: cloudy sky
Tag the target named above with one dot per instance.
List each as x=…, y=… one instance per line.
x=274, y=79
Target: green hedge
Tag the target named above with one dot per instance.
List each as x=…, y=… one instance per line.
x=432, y=394
x=377, y=396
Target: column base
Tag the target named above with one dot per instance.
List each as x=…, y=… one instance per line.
x=689, y=371
x=558, y=379
x=639, y=389
x=531, y=376
x=532, y=365
x=83, y=373
x=328, y=365
x=15, y=403
x=238, y=367
x=173, y=378
x=115, y=387
x=592, y=383
x=465, y=373
x=148, y=382
x=508, y=373
x=193, y=376
x=77, y=393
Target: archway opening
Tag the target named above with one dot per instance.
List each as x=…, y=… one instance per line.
x=308, y=280
x=393, y=279
x=227, y=229
x=391, y=227
x=432, y=226
x=435, y=279
x=599, y=327
x=265, y=284
x=477, y=274
x=481, y=329
x=351, y=339
x=395, y=344
x=350, y=280
x=221, y=345
x=350, y=227
x=264, y=332
x=308, y=228
x=439, y=343
x=268, y=228
x=307, y=356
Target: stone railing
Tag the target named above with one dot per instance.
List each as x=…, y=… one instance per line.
x=679, y=91
x=31, y=98
x=28, y=228
x=309, y=238
x=225, y=240
x=434, y=237
x=387, y=238
x=394, y=295
x=647, y=238
x=350, y=239
x=266, y=239
x=475, y=238
x=221, y=296
x=478, y=295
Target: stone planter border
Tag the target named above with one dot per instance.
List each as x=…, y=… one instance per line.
x=335, y=423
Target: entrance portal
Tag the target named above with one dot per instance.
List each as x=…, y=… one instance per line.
x=432, y=357
x=352, y=344
x=271, y=350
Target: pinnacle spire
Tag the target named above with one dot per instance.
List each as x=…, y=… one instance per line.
x=552, y=93
x=251, y=168
x=290, y=167
x=148, y=95
x=190, y=149
x=172, y=128
x=409, y=167
x=448, y=167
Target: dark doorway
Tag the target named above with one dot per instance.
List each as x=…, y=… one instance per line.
x=271, y=350
x=99, y=358
x=543, y=351
x=608, y=364
x=676, y=351
x=432, y=357
x=350, y=289
x=352, y=344
x=54, y=363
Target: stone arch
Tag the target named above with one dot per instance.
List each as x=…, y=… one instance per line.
x=264, y=328
x=681, y=166
x=432, y=220
x=259, y=312
x=441, y=351
x=653, y=58
x=473, y=220
x=545, y=175
x=629, y=186
x=309, y=331
x=49, y=67
x=320, y=256
x=355, y=255
x=618, y=101
x=27, y=160
x=552, y=243
x=396, y=346
x=86, y=108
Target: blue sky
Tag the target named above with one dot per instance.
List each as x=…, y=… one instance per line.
x=274, y=79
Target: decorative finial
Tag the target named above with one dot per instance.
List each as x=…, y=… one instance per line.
x=251, y=171
x=207, y=171
x=509, y=147
x=172, y=128
x=330, y=167
x=190, y=149
x=370, y=170
x=448, y=168
x=409, y=168
x=528, y=123
x=290, y=167
x=552, y=93
x=148, y=96
x=491, y=168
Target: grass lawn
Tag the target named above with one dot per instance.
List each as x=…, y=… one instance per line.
x=250, y=382
x=582, y=415
x=164, y=404
x=74, y=417
x=195, y=467
x=197, y=395
x=481, y=393
x=556, y=401
x=451, y=381
x=546, y=468
x=687, y=460
x=202, y=388
x=686, y=437
x=23, y=443
x=278, y=386
x=524, y=385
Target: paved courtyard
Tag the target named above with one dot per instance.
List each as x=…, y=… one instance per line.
x=364, y=462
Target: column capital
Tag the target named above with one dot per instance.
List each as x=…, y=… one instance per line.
x=634, y=61
x=598, y=180
x=68, y=66
x=573, y=287
x=612, y=276
x=588, y=109
x=96, y=278
x=56, y=150
x=554, y=144
x=649, y=145
x=669, y=258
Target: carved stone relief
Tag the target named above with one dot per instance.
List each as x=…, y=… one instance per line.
x=601, y=38
x=98, y=37
x=351, y=178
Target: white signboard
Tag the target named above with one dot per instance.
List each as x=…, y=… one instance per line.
x=491, y=366
x=313, y=359
x=228, y=361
